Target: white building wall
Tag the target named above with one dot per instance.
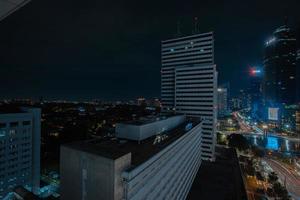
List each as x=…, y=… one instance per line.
x=169, y=174
x=189, y=82
x=143, y=131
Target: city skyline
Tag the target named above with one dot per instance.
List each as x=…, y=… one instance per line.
x=80, y=53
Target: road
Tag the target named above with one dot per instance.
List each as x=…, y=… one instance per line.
x=287, y=175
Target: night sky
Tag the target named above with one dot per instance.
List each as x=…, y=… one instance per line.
x=71, y=49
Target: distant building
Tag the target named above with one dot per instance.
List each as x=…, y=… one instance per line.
x=298, y=122
x=20, y=138
x=235, y=104
x=245, y=99
x=222, y=102
x=280, y=67
x=141, y=101
x=255, y=91
x=298, y=75
x=289, y=117
x=161, y=166
x=155, y=102
x=189, y=82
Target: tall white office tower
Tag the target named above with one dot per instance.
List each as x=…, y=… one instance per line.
x=20, y=139
x=189, y=83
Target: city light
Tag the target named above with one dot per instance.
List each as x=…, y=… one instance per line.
x=270, y=41
x=265, y=126
x=255, y=71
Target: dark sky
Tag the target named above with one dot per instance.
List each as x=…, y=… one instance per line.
x=111, y=49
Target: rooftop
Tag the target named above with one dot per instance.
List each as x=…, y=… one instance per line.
x=114, y=148
x=149, y=119
x=223, y=176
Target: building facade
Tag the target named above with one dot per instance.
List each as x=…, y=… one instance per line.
x=222, y=102
x=127, y=170
x=298, y=123
x=298, y=75
x=280, y=67
x=189, y=82
x=20, y=132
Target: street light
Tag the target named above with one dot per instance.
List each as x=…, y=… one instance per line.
x=265, y=127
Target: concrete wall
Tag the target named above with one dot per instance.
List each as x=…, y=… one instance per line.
x=141, y=132
x=170, y=173
x=86, y=176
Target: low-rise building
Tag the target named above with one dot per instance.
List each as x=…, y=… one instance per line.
x=161, y=166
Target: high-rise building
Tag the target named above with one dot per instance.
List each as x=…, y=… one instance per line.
x=154, y=158
x=20, y=132
x=222, y=102
x=298, y=122
x=189, y=82
x=280, y=67
x=298, y=75
x=255, y=91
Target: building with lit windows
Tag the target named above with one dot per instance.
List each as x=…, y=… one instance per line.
x=20, y=131
x=189, y=82
x=222, y=102
x=280, y=67
x=298, y=122
x=298, y=75
x=154, y=158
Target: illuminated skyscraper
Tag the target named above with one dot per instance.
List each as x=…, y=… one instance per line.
x=280, y=67
x=189, y=82
x=298, y=75
x=222, y=102
x=255, y=90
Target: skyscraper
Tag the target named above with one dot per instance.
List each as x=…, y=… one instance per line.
x=255, y=91
x=280, y=67
x=189, y=82
x=20, y=131
x=222, y=102
x=298, y=75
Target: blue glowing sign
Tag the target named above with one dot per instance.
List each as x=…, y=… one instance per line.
x=272, y=143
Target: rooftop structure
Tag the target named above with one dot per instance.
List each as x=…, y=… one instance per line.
x=113, y=148
x=143, y=129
